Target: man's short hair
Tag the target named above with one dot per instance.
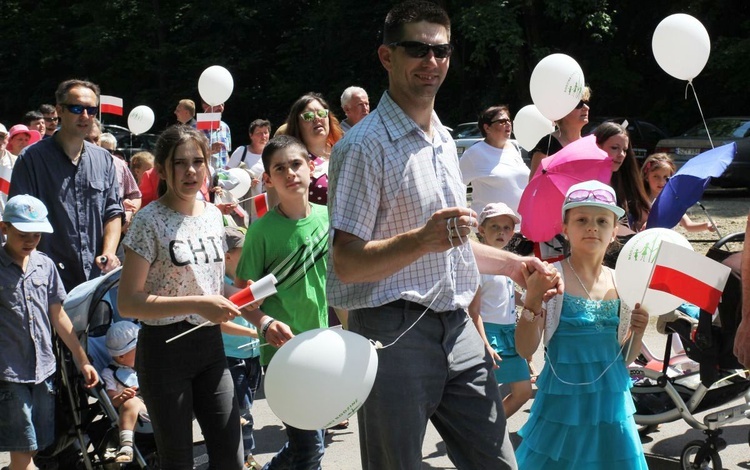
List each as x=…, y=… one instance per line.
x=189, y=105
x=108, y=139
x=62, y=90
x=412, y=11
x=346, y=96
x=259, y=123
x=47, y=109
x=31, y=116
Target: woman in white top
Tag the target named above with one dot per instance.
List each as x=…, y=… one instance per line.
x=494, y=166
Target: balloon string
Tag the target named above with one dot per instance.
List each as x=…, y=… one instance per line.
x=554, y=372
x=700, y=110
x=450, y=276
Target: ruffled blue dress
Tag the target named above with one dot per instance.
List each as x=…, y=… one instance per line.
x=586, y=426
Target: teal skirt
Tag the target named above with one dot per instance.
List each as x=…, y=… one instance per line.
x=502, y=338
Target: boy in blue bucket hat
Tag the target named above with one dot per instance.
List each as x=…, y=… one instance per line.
x=31, y=297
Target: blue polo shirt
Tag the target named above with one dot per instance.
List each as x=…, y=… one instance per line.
x=26, y=354
x=79, y=198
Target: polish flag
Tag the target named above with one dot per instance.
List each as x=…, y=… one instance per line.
x=260, y=203
x=110, y=105
x=258, y=290
x=689, y=276
x=5, y=173
x=207, y=121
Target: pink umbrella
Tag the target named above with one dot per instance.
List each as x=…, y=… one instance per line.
x=542, y=200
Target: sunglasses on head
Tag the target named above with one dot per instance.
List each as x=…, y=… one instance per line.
x=419, y=50
x=582, y=195
x=79, y=109
x=581, y=103
x=310, y=116
x=502, y=121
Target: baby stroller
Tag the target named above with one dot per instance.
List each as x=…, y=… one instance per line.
x=663, y=393
x=86, y=426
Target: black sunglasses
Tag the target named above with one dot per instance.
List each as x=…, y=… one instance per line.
x=419, y=50
x=79, y=109
x=581, y=103
x=50, y=119
x=502, y=121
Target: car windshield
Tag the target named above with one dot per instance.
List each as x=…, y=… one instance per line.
x=726, y=128
x=466, y=131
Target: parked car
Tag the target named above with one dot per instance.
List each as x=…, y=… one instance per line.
x=128, y=143
x=722, y=130
x=466, y=135
x=643, y=135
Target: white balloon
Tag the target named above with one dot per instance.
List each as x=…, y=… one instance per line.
x=245, y=180
x=320, y=377
x=140, y=119
x=681, y=46
x=530, y=126
x=635, y=265
x=556, y=85
x=215, y=85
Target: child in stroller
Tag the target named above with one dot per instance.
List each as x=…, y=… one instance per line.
x=663, y=394
x=121, y=383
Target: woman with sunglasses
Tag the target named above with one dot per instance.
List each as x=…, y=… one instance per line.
x=568, y=131
x=311, y=121
x=494, y=166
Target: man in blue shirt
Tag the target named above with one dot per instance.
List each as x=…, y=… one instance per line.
x=76, y=180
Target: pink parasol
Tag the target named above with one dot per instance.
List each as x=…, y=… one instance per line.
x=542, y=200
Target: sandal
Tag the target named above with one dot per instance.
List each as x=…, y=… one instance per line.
x=124, y=455
x=251, y=463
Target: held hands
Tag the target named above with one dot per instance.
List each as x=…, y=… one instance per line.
x=90, y=377
x=447, y=228
x=542, y=280
x=638, y=320
x=217, y=308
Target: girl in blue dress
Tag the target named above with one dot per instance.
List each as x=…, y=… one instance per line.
x=582, y=416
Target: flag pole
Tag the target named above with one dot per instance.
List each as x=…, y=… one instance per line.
x=643, y=297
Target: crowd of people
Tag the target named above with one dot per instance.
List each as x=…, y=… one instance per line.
x=368, y=226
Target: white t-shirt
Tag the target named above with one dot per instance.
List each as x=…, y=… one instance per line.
x=498, y=299
x=186, y=254
x=496, y=175
x=254, y=166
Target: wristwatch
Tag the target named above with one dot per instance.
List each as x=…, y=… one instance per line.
x=530, y=315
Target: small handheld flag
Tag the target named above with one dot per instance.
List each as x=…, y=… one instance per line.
x=207, y=121
x=110, y=105
x=259, y=290
x=689, y=276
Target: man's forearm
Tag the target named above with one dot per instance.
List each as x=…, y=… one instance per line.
x=356, y=260
x=112, y=232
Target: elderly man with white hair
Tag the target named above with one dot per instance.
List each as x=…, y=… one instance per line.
x=356, y=106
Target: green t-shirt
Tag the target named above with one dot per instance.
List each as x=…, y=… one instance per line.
x=296, y=252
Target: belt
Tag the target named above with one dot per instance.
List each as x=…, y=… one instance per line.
x=408, y=305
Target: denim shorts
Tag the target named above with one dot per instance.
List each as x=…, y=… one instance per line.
x=28, y=416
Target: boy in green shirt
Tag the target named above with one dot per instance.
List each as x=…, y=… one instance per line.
x=290, y=242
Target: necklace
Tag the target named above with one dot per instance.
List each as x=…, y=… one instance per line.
x=579, y=279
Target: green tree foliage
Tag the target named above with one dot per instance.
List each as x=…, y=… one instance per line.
x=153, y=51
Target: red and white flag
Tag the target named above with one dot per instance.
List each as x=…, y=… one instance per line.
x=260, y=204
x=207, y=121
x=689, y=276
x=110, y=105
x=258, y=290
x=5, y=173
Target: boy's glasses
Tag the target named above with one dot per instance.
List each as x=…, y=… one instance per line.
x=310, y=116
x=581, y=103
x=600, y=195
x=419, y=50
x=79, y=109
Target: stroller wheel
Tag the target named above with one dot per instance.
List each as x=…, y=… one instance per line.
x=697, y=455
